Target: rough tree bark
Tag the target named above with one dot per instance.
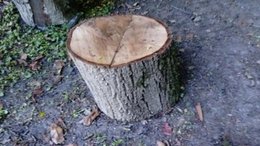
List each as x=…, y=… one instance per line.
x=127, y=63
x=40, y=12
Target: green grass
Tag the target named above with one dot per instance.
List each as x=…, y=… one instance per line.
x=16, y=40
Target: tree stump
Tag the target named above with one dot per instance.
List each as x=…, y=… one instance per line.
x=128, y=64
x=40, y=12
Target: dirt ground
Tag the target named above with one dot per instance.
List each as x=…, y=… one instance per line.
x=219, y=43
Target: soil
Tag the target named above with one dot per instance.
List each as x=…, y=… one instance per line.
x=219, y=43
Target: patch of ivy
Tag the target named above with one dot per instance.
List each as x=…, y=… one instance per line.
x=88, y=7
x=170, y=64
x=103, y=8
x=17, y=39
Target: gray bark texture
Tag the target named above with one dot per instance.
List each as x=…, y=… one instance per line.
x=135, y=91
x=40, y=12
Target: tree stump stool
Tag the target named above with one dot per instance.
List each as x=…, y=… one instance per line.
x=128, y=64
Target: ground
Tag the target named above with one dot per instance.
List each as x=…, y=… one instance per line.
x=219, y=43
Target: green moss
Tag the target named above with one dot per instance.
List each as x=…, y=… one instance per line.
x=141, y=82
x=170, y=68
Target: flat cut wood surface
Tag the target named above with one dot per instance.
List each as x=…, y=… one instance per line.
x=117, y=40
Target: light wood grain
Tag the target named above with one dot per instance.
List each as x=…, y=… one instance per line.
x=117, y=40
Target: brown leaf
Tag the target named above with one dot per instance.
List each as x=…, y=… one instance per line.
x=34, y=66
x=58, y=65
x=167, y=130
x=56, y=133
x=37, y=91
x=160, y=143
x=61, y=123
x=199, y=111
x=91, y=117
x=22, y=60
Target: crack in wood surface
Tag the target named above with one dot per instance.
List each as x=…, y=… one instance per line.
x=120, y=43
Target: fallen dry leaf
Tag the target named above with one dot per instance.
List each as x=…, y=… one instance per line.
x=91, y=117
x=199, y=111
x=37, y=91
x=61, y=123
x=56, y=133
x=34, y=65
x=58, y=65
x=160, y=143
x=22, y=60
x=167, y=130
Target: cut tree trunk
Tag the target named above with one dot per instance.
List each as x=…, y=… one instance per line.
x=40, y=12
x=128, y=64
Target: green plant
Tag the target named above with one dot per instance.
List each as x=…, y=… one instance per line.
x=77, y=112
x=100, y=139
x=16, y=39
x=117, y=142
x=98, y=7
x=103, y=8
